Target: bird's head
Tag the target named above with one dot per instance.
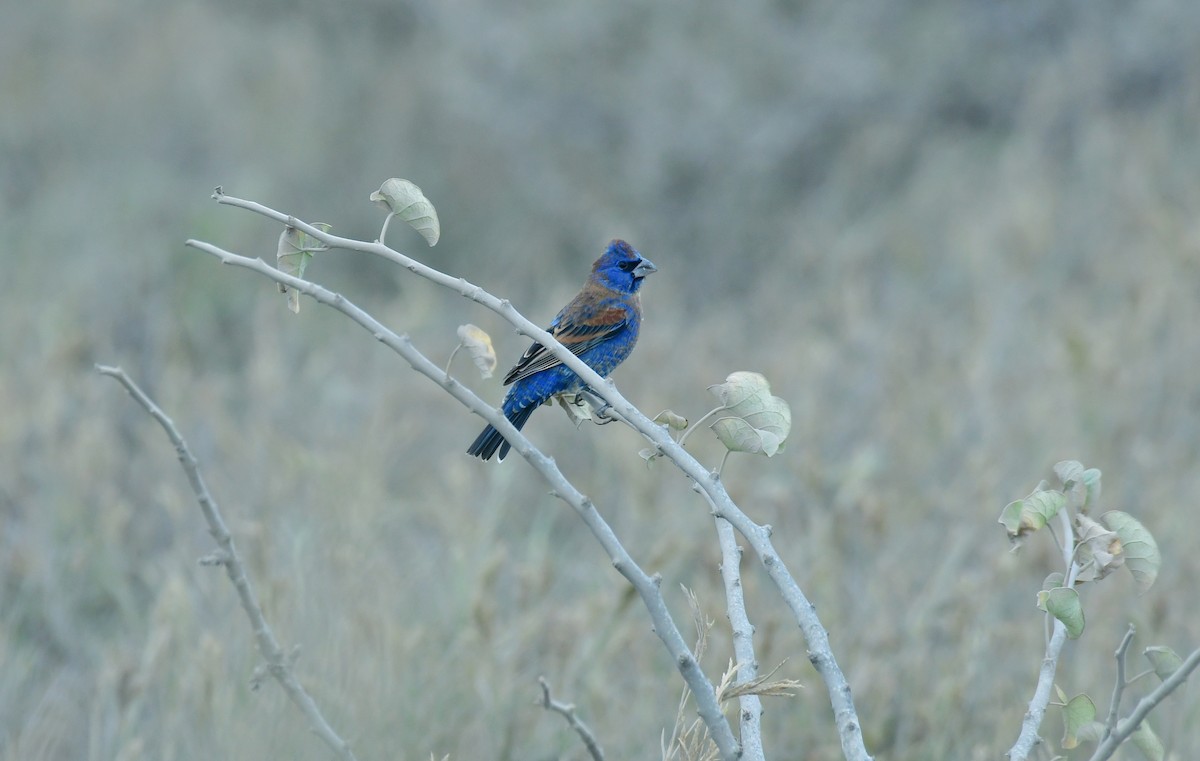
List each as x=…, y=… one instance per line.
x=622, y=268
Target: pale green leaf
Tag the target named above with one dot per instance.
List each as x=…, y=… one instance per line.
x=1100, y=550
x=1141, y=551
x=1164, y=660
x=576, y=406
x=1063, y=604
x=1028, y=515
x=739, y=436
x=754, y=421
x=1070, y=475
x=405, y=200
x=1077, y=713
x=671, y=420
x=292, y=255
x=1010, y=518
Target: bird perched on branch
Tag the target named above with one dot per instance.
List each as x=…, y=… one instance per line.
x=600, y=326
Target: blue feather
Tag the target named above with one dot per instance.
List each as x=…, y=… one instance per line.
x=600, y=325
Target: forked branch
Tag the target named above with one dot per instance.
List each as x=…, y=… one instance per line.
x=819, y=651
x=278, y=663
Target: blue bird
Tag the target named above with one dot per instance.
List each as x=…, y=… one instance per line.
x=600, y=326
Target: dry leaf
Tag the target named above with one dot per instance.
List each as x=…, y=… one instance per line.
x=479, y=345
x=405, y=200
x=292, y=255
x=754, y=420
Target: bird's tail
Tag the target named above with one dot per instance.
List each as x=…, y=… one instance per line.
x=490, y=439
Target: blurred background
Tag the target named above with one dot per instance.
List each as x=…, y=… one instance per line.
x=960, y=238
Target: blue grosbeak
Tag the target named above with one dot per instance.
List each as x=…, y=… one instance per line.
x=600, y=326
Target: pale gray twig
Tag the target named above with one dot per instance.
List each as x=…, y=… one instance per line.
x=278, y=663
x=1127, y=726
x=749, y=705
x=1114, y=708
x=568, y=712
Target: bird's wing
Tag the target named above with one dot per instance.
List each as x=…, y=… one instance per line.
x=577, y=336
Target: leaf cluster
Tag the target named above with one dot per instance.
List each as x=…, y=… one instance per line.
x=1092, y=549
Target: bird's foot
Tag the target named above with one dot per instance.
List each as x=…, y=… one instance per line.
x=601, y=410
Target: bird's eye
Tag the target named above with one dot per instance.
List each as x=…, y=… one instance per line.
x=627, y=266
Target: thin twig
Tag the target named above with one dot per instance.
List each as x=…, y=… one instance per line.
x=1129, y=724
x=386, y=221
x=1114, y=709
x=278, y=664
x=646, y=586
x=1140, y=675
x=694, y=426
x=568, y=712
x=450, y=361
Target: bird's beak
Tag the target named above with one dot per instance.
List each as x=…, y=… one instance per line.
x=645, y=267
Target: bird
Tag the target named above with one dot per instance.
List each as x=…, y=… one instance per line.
x=600, y=326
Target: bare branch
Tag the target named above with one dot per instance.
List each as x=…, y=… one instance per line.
x=750, y=706
x=820, y=653
x=278, y=663
x=568, y=712
x=646, y=586
x=1119, y=686
x=1129, y=724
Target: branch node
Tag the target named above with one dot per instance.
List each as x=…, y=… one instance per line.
x=216, y=557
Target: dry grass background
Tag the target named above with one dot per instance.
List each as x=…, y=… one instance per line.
x=960, y=238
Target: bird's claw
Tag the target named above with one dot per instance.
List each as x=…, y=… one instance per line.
x=602, y=416
x=600, y=407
